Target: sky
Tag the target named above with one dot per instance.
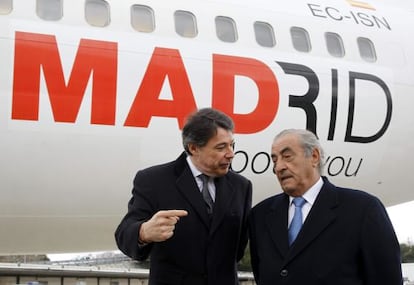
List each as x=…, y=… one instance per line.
x=401, y=217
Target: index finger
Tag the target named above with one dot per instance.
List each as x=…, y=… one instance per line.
x=172, y=213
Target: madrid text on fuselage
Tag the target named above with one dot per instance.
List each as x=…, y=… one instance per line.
x=97, y=61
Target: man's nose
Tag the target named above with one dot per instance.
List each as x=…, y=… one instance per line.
x=230, y=152
x=279, y=166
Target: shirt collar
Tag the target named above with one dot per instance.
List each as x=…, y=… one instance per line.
x=312, y=193
x=193, y=169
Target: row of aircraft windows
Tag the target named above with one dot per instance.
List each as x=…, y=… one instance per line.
x=97, y=13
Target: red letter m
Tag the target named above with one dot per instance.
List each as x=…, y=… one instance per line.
x=35, y=52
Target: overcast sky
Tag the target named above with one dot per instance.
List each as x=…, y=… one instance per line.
x=402, y=220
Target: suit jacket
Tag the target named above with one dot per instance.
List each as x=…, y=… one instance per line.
x=347, y=238
x=203, y=250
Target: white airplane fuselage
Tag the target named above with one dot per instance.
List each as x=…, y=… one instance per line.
x=82, y=108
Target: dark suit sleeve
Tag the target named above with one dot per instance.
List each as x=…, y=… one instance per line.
x=140, y=209
x=254, y=258
x=244, y=230
x=381, y=258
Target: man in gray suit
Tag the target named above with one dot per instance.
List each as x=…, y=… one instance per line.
x=346, y=236
x=194, y=228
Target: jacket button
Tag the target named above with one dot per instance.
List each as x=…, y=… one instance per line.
x=284, y=272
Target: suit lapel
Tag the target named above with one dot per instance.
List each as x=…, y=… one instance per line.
x=321, y=216
x=276, y=223
x=188, y=187
x=224, y=194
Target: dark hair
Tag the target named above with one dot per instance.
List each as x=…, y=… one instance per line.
x=202, y=125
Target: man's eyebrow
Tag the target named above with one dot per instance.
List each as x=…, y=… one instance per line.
x=286, y=149
x=224, y=143
x=283, y=151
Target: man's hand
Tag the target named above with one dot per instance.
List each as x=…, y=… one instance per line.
x=161, y=226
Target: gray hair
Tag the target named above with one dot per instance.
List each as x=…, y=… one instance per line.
x=308, y=140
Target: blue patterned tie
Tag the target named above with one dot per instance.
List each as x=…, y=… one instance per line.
x=296, y=223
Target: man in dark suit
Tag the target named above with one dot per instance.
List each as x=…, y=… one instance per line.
x=346, y=236
x=191, y=241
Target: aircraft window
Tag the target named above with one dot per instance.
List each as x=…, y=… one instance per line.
x=334, y=44
x=142, y=18
x=264, y=34
x=49, y=10
x=6, y=6
x=300, y=39
x=367, y=50
x=97, y=13
x=185, y=24
x=226, y=29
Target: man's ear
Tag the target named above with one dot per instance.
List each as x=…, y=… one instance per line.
x=315, y=157
x=192, y=148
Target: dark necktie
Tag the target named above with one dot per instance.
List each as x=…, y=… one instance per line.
x=206, y=194
x=296, y=223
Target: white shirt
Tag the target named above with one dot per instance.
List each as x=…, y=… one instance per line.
x=210, y=185
x=310, y=197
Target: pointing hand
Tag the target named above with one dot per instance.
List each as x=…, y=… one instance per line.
x=161, y=226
